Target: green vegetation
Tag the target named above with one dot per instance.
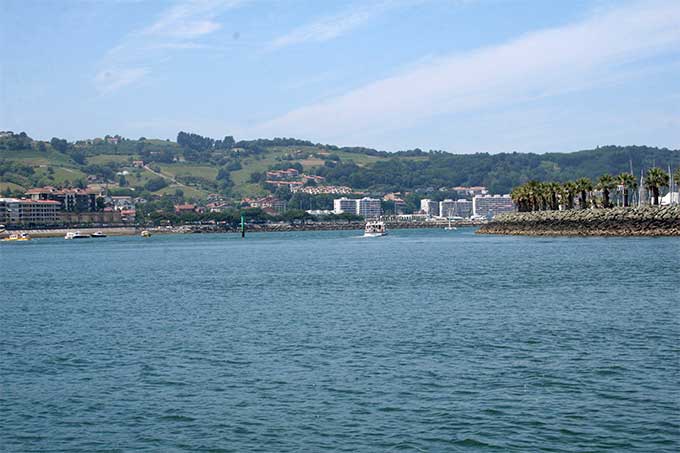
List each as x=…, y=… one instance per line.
x=655, y=179
x=549, y=196
x=235, y=169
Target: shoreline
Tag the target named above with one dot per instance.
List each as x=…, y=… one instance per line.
x=212, y=229
x=646, y=221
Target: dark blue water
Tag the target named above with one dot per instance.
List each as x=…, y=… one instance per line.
x=420, y=341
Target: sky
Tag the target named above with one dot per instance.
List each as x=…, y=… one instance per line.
x=462, y=76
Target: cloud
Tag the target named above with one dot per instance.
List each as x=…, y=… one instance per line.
x=331, y=27
x=176, y=28
x=111, y=79
x=535, y=65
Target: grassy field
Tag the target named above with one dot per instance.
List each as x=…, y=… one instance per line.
x=11, y=186
x=60, y=174
x=31, y=157
x=183, y=169
x=189, y=192
x=104, y=158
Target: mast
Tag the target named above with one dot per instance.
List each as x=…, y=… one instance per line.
x=640, y=190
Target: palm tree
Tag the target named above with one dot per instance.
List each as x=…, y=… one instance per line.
x=519, y=197
x=606, y=183
x=569, y=192
x=656, y=179
x=532, y=192
x=628, y=181
x=584, y=186
x=553, y=189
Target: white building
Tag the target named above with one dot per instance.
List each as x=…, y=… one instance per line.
x=446, y=208
x=344, y=204
x=122, y=203
x=485, y=205
x=369, y=207
x=462, y=208
x=429, y=207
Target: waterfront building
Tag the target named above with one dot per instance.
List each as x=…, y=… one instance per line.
x=344, y=204
x=447, y=208
x=429, y=207
x=369, y=207
x=70, y=199
x=484, y=205
x=462, y=208
x=27, y=212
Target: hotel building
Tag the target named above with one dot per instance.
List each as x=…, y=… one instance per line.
x=15, y=211
x=429, y=207
x=369, y=207
x=484, y=205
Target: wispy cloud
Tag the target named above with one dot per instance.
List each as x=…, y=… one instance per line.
x=178, y=27
x=331, y=27
x=538, y=64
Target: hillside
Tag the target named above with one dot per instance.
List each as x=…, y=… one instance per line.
x=197, y=166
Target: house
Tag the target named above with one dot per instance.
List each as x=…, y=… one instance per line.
x=185, y=208
x=138, y=163
x=122, y=203
x=271, y=203
x=288, y=174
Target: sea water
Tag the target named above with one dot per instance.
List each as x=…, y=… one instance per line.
x=424, y=340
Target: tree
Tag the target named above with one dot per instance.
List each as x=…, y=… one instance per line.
x=59, y=144
x=628, y=182
x=122, y=181
x=569, y=190
x=584, y=186
x=606, y=183
x=676, y=176
x=655, y=179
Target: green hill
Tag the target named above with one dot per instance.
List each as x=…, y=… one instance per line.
x=197, y=165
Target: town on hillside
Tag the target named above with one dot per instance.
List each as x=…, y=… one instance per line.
x=116, y=181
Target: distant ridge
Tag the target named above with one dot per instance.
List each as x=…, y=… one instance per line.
x=202, y=165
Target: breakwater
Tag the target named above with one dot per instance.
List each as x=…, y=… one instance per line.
x=642, y=221
x=226, y=228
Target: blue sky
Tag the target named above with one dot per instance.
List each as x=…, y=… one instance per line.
x=458, y=75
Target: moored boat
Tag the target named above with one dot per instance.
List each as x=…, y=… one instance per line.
x=98, y=234
x=18, y=237
x=76, y=235
x=374, y=229
x=146, y=234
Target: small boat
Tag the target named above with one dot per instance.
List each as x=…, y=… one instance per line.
x=450, y=227
x=374, y=229
x=98, y=234
x=146, y=234
x=18, y=237
x=76, y=235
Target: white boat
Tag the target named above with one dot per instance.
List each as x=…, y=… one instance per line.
x=76, y=235
x=374, y=229
x=18, y=237
x=146, y=234
x=450, y=227
x=98, y=234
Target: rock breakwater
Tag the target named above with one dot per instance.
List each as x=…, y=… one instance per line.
x=642, y=221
